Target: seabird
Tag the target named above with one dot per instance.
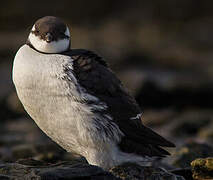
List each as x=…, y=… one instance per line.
x=75, y=98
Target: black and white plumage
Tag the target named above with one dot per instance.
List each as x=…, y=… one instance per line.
x=78, y=101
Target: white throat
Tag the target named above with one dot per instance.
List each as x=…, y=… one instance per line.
x=52, y=47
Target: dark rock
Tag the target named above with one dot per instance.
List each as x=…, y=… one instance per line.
x=186, y=173
x=187, y=153
x=54, y=172
x=4, y=177
x=31, y=162
x=76, y=171
x=202, y=168
x=67, y=170
x=14, y=171
x=130, y=171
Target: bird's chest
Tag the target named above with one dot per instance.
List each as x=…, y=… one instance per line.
x=43, y=91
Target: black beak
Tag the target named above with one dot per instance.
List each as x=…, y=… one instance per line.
x=48, y=37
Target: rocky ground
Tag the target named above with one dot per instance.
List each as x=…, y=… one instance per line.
x=162, y=51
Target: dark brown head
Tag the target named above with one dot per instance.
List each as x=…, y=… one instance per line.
x=50, y=35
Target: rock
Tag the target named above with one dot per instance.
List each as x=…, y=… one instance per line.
x=191, y=151
x=130, y=171
x=31, y=162
x=202, y=168
x=185, y=172
x=32, y=169
x=58, y=171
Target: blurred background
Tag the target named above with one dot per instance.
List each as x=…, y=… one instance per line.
x=161, y=50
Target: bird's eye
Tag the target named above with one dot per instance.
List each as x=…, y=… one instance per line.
x=35, y=31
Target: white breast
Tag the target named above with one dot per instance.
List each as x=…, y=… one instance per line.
x=45, y=96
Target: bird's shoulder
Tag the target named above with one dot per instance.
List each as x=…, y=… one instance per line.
x=83, y=57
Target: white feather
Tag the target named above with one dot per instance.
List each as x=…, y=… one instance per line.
x=67, y=32
x=138, y=116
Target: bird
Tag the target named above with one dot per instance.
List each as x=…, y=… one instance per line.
x=77, y=100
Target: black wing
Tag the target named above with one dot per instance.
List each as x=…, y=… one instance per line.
x=93, y=74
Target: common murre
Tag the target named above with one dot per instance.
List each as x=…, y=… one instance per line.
x=78, y=101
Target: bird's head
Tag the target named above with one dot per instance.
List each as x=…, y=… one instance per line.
x=49, y=35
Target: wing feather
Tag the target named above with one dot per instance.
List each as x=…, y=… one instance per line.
x=94, y=75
